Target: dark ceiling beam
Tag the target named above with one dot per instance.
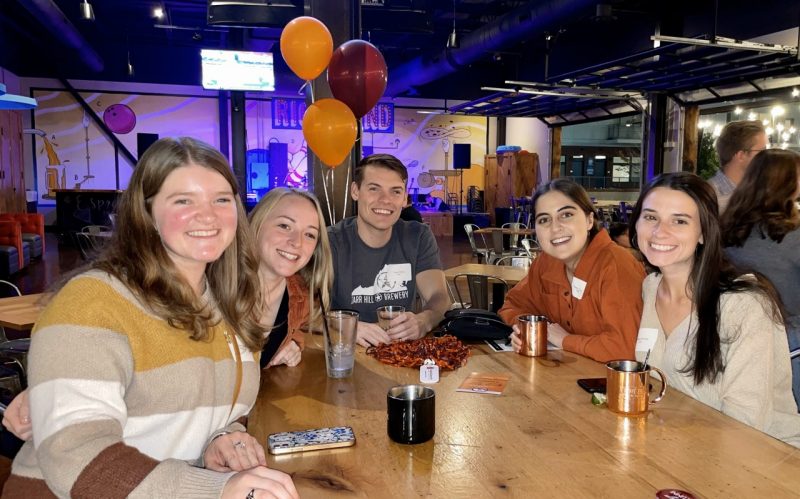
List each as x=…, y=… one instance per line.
x=55, y=22
x=514, y=27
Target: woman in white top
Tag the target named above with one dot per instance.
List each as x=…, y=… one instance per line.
x=717, y=334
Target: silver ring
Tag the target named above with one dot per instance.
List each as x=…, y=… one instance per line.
x=251, y=494
x=239, y=445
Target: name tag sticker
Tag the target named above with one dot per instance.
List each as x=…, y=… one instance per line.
x=578, y=287
x=646, y=339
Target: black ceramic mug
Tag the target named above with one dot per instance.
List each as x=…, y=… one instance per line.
x=411, y=413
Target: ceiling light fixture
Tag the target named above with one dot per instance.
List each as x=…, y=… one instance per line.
x=87, y=13
x=131, y=72
x=452, y=40
x=158, y=12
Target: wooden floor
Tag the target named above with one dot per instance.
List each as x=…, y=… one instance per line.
x=59, y=260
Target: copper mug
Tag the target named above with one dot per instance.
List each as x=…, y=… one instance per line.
x=628, y=387
x=533, y=333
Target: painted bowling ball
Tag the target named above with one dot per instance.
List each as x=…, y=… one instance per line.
x=119, y=118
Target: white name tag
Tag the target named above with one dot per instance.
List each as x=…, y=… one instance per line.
x=578, y=287
x=646, y=339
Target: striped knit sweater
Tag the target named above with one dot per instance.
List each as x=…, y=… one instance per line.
x=122, y=404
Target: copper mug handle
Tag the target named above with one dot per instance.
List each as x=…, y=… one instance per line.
x=663, y=385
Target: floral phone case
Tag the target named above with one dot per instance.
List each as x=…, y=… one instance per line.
x=305, y=440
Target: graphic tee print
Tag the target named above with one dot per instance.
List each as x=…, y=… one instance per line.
x=389, y=285
x=366, y=278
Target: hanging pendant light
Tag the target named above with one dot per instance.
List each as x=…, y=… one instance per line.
x=452, y=40
x=87, y=12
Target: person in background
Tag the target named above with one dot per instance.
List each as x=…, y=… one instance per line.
x=619, y=234
x=381, y=260
x=588, y=287
x=294, y=269
x=716, y=332
x=736, y=146
x=436, y=204
x=162, y=331
x=761, y=232
x=409, y=213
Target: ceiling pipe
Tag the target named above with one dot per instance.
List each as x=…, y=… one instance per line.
x=514, y=27
x=52, y=18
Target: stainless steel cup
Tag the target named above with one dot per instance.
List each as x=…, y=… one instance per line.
x=411, y=414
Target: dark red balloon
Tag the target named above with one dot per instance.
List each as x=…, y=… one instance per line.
x=357, y=75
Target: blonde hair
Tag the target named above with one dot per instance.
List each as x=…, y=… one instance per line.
x=137, y=257
x=318, y=272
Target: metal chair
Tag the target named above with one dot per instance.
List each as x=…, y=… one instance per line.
x=95, y=229
x=530, y=248
x=13, y=353
x=513, y=238
x=514, y=261
x=485, y=252
x=85, y=244
x=479, y=295
x=7, y=289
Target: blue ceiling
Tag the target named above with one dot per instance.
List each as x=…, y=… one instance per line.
x=410, y=33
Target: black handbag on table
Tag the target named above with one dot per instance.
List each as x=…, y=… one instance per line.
x=474, y=324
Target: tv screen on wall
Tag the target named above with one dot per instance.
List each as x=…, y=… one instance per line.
x=237, y=70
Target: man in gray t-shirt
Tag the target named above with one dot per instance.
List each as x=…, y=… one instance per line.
x=381, y=260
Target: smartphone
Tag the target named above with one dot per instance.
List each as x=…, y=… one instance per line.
x=593, y=385
x=300, y=441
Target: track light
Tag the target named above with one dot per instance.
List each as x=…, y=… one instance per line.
x=87, y=13
x=131, y=73
x=452, y=40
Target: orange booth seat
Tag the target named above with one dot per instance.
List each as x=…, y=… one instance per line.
x=32, y=225
x=14, y=252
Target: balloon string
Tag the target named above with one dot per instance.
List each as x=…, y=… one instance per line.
x=302, y=89
x=327, y=200
x=346, y=185
x=331, y=183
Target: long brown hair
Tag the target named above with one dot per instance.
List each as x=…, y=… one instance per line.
x=765, y=199
x=137, y=257
x=318, y=272
x=712, y=274
x=576, y=193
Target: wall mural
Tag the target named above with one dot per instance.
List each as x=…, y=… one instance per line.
x=73, y=153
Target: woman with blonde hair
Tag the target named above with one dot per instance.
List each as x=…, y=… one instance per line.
x=295, y=269
x=140, y=367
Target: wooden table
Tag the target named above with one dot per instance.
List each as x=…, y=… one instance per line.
x=505, y=231
x=512, y=275
x=20, y=312
x=541, y=438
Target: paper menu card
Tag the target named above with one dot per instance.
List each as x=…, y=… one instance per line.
x=491, y=383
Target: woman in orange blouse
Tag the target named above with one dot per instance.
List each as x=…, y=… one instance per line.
x=588, y=287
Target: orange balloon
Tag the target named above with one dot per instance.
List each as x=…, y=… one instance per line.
x=306, y=46
x=330, y=129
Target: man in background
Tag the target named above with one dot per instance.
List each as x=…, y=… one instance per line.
x=736, y=146
x=380, y=260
